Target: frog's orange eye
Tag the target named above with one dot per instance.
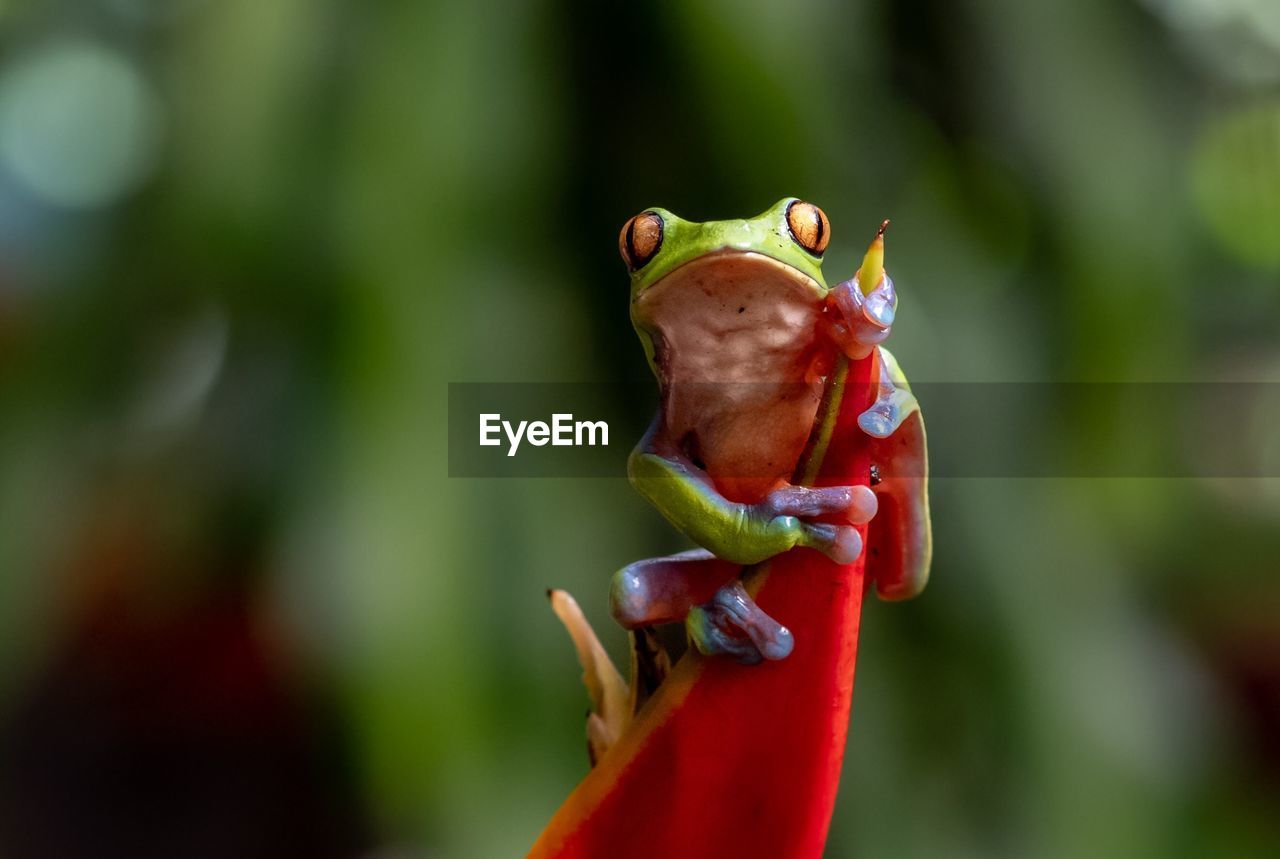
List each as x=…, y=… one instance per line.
x=640, y=239
x=809, y=226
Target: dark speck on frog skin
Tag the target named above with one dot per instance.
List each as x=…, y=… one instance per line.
x=740, y=309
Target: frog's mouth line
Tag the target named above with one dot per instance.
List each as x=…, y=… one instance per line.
x=769, y=269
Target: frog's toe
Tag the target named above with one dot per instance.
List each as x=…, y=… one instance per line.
x=778, y=646
x=863, y=505
x=877, y=421
x=846, y=546
x=881, y=306
x=856, y=504
x=790, y=500
x=840, y=543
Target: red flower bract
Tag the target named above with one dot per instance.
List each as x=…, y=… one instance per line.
x=727, y=760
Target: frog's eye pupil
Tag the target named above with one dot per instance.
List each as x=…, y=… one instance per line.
x=809, y=226
x=640, y=239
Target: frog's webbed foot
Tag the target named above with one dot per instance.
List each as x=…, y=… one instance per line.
x=731, y=624
x=840, y=542
x=894, y=401
x=862, y=322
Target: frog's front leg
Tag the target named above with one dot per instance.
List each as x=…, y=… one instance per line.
x=746, y=533
x=857, y=323
x=894, y=401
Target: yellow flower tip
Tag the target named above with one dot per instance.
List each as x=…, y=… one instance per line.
x=873, y=263
x=609, y=693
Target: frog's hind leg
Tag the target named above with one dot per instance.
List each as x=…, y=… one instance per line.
x=662, y=590
x=705, y=592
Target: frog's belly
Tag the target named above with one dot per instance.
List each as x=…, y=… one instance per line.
x=747, y=437
x=735, y=344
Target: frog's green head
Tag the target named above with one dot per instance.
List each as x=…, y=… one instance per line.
x=656, y=242
x=773, y=259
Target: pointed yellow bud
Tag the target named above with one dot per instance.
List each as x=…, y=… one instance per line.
x=873, y=263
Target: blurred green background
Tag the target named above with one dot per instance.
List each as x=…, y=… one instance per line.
x=244, y=246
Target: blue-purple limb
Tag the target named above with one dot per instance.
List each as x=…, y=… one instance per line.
x=864, y=320
x=731, y=624
x=705, y=592
x=663, y=590
x=894, y=401
x=856, y=503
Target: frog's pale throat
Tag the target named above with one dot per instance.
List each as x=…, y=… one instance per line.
x=734, y=345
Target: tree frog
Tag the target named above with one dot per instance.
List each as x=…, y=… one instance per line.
x=741, y=331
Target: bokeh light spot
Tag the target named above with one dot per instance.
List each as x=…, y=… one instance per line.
x=1236, y=181
x=79, y=126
